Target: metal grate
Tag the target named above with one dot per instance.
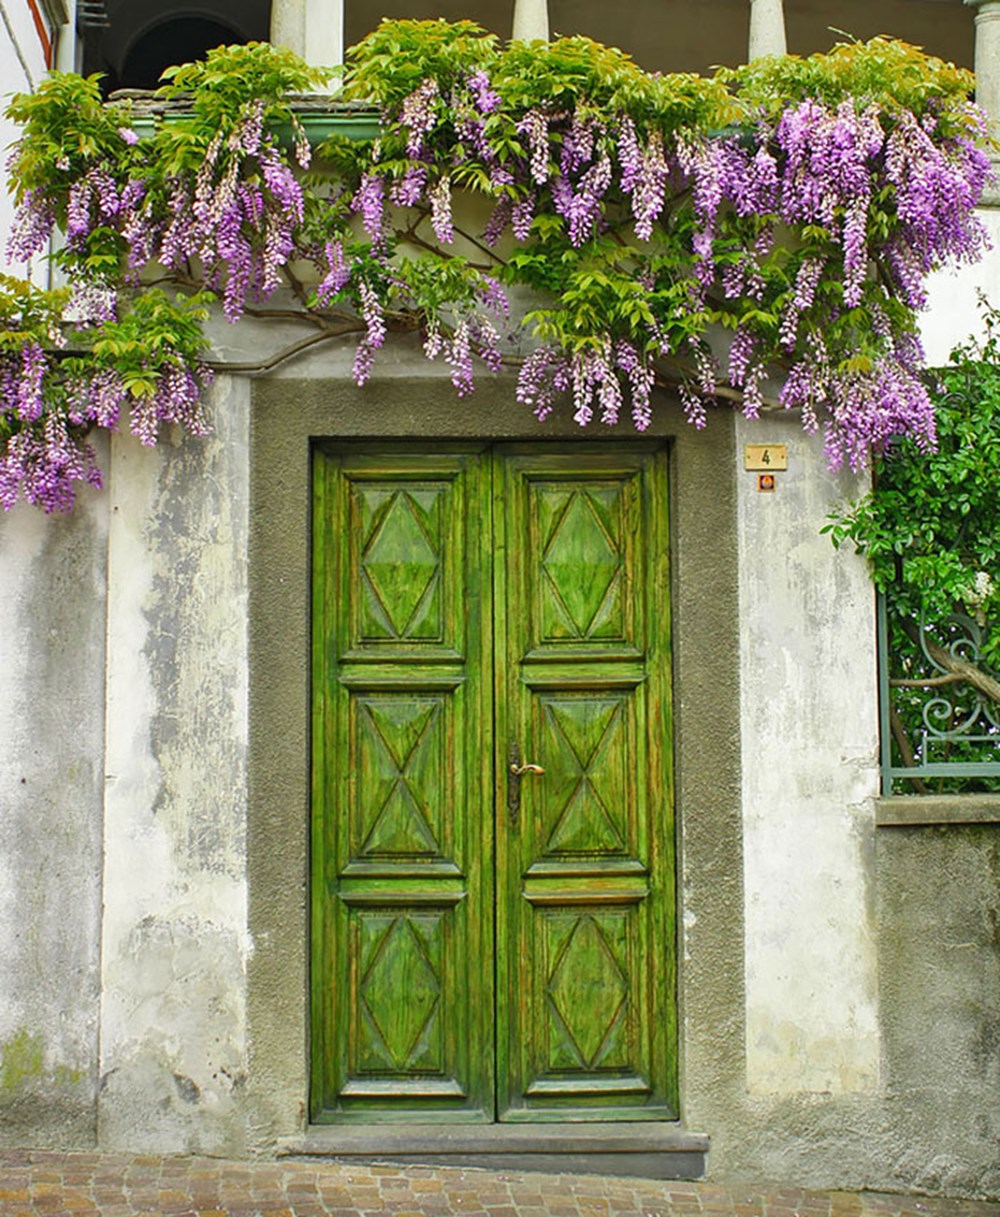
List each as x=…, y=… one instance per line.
x=940, y=717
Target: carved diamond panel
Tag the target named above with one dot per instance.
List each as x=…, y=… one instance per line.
x=587, y=992
x=400, y=562
x=585, y=743
x=400, y=774
x=582, y=566
x=399, y=995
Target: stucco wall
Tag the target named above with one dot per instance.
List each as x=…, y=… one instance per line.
x=173, y=1043
x=52, y=611
x=938, y=901
x=810, y=750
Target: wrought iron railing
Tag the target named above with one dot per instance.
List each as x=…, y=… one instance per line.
x=939, y=706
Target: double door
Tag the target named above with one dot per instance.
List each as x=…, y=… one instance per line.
x=492, y=837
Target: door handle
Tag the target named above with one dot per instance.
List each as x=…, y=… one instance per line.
x=515, y=771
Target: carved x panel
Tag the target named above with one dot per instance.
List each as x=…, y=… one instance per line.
x=400, y=774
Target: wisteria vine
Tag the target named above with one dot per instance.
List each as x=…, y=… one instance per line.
x=769, y=226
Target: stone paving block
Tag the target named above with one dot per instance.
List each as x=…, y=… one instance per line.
x=46, y=1183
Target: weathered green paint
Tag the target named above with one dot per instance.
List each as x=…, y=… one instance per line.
x=413, y=795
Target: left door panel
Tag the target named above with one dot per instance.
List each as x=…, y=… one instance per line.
x=402, y=925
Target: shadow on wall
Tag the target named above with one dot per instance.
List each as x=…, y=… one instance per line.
x=678, y=36
x=134, y=47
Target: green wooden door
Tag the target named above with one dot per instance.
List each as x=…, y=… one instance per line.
x=490, y=945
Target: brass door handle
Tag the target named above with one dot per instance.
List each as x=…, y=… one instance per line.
x=515, y=771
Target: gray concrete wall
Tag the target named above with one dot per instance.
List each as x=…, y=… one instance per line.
x=52, y=614
x=938, y=902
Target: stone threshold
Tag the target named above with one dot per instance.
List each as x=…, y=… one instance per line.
x=640, y=1150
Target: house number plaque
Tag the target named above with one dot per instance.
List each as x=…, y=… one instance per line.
x=765, y=458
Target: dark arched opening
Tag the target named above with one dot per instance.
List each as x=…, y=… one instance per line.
x=176, y=41
x=131, y=46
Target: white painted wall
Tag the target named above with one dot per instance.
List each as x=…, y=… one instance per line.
x=953, y=311
x=810, y=737
x=22, y=66
x=52, y=598
x=808, y=699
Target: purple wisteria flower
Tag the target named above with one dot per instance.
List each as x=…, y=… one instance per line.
x=870, y=200
x=488, y=101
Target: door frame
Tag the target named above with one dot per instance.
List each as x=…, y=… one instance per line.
x=286, y=414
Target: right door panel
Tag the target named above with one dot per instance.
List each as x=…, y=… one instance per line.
x=585, y=927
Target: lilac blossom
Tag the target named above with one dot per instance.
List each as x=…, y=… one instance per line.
x=91, y=303
x=176, y=399
x=96, y=399
x=419, y=113
x=544, y=375
x=499, y=219
x=371, y=311
x=641, y=380
x=32, y=227
x=29, y=387
x=440, y=201
x=338, y=272
x=522, y=216
x=241, y=213
x=581, y=208
x=535, y=125
x=369, y=203
x=43, y=464
x=806, y=281
x=407, y=190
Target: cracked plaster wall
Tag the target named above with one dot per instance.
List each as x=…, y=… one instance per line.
x=810, y=750
x=52, y=602
x=174, y=1056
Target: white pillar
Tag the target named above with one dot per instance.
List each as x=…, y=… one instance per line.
x=767, y=29
x=324, y=33
x=988, y=57
x=288, y=25
x=313, y=29
x=531, y=20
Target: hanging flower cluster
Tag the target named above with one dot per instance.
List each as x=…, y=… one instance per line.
x=771, y=225
x=146, y=364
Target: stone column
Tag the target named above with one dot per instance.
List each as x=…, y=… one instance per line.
x=313, y=29
x=988, y=57
x=288, y=25
x=324, y=33
x=767, y=29
x=531, y=20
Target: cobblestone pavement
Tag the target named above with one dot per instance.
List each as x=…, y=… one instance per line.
x=105, y=1185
